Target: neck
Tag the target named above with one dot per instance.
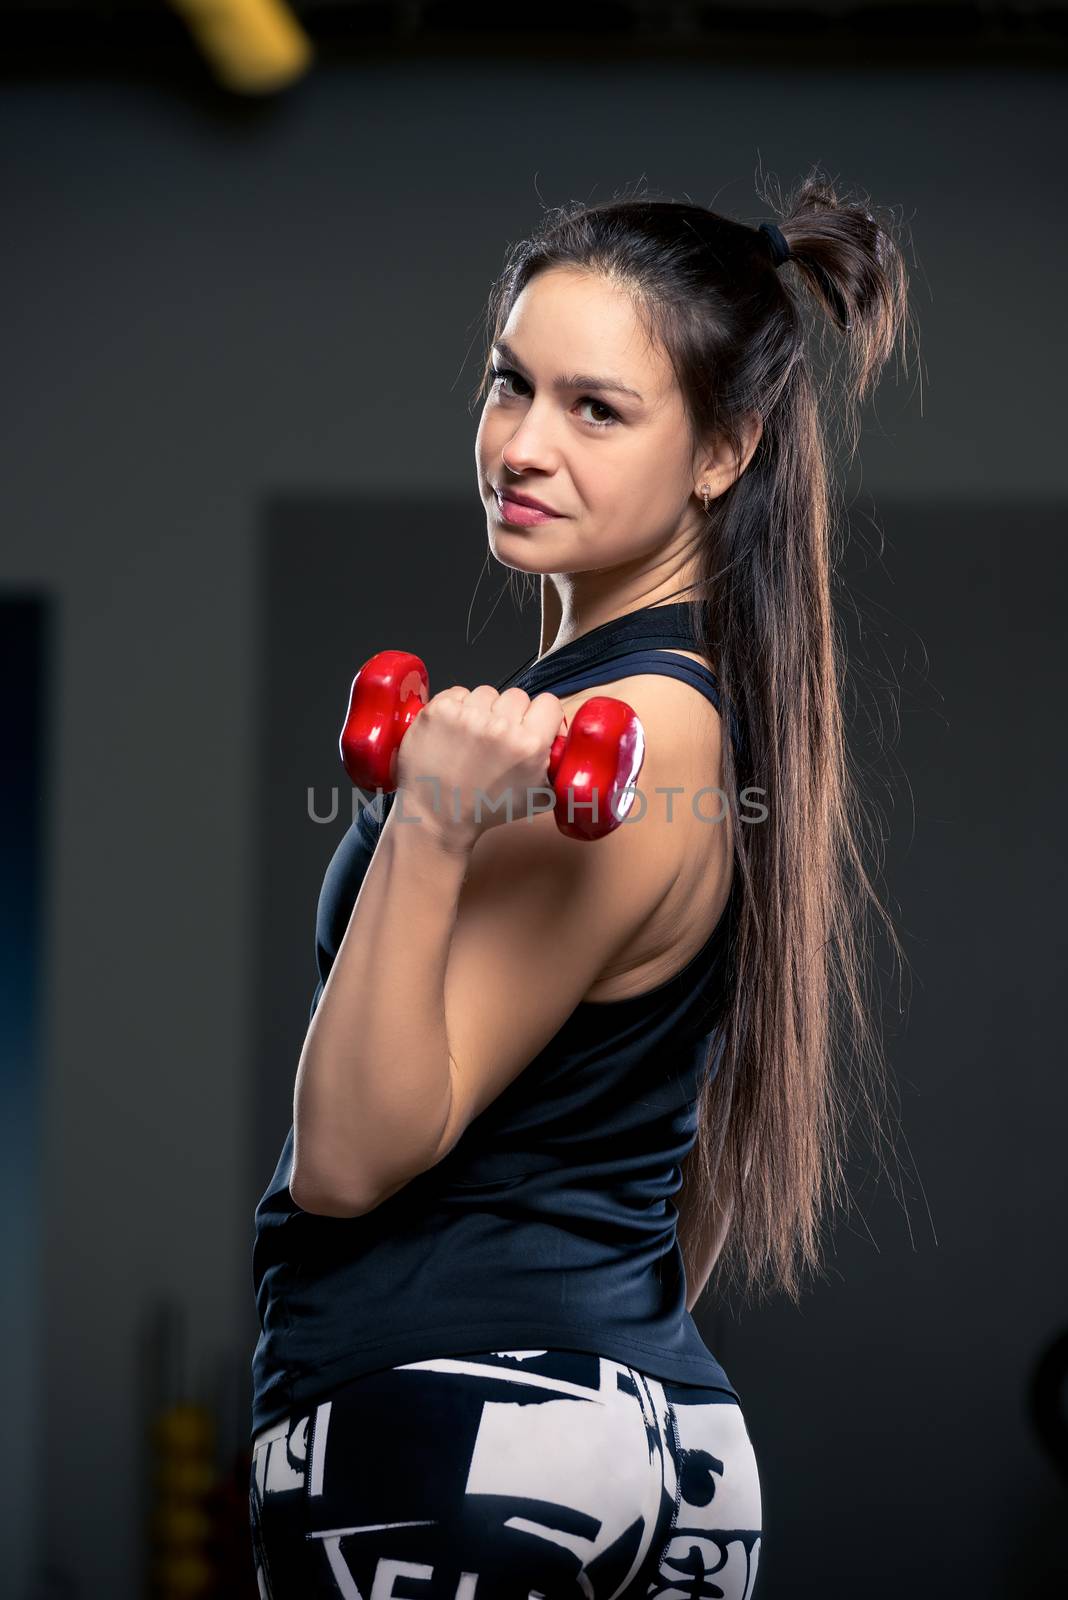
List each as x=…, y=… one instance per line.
x=551, y=613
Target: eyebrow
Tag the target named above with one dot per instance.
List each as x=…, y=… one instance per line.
x=573, y=380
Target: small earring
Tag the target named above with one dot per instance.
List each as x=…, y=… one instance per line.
x=705, y=492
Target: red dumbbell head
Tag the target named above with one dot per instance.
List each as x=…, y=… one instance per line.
x=602, y=755
x=387, y=695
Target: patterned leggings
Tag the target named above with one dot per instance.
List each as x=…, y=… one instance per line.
x=515, y=1475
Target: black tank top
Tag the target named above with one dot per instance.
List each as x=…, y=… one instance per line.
x=550, y=1223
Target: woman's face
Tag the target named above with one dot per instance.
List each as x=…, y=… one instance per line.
x=616, y=468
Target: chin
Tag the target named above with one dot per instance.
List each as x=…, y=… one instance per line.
x=522, y=553
x=516, y=552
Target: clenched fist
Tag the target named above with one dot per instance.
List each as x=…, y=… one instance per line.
x=474, y=758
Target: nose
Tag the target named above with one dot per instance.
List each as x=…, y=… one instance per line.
x=528, y=450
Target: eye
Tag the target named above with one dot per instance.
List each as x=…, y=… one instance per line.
x=503, y=374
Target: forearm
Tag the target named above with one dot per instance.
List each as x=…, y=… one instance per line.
x=373, y=1088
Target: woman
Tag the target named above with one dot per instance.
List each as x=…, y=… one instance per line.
x=546, y=1082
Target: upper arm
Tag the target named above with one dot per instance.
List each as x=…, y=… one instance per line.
x=541, y=916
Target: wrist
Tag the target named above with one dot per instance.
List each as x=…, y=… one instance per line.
x=430, y=832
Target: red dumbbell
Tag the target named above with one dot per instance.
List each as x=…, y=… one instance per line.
x=601, y=753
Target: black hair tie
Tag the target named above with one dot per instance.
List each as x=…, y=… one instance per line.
x=777, y=245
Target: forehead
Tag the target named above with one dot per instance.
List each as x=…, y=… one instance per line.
x=569, y=320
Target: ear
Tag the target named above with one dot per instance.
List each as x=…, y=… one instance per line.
x=718, y=468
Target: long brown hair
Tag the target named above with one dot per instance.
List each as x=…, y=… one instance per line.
x=773, y=1119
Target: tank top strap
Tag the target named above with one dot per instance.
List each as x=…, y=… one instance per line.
x=666, y=663
x=624, y=661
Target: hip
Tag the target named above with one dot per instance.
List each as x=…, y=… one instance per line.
x=497, y=1474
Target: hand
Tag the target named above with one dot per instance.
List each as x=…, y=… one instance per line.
x=474, y=758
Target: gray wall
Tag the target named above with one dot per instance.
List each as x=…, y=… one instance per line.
x=203, y=316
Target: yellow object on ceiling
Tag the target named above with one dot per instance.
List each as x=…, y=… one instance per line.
x=251, y=46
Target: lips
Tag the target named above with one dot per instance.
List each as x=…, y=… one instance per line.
x=525, y=500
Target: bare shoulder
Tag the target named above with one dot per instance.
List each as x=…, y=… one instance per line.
x=682, y=805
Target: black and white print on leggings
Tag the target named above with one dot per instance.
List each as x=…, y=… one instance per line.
x=512, y=1475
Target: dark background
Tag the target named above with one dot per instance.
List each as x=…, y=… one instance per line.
x=237, y=458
